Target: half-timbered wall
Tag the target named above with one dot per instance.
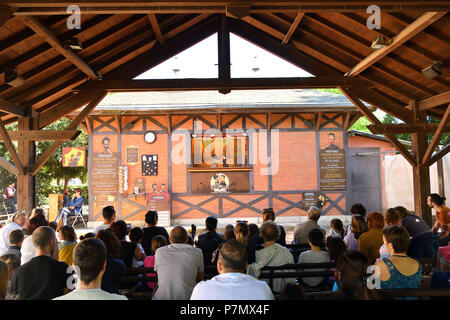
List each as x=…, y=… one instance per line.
x=295, y=138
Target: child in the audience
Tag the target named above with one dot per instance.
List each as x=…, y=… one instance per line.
x=336, y=229
x=149, y=262
x=136, y=236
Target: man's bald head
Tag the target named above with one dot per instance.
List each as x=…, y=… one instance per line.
x=43, y=238
x=178, y=235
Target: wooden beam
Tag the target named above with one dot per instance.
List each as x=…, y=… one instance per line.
x=223, y=50
x=155, y=26
x=372, y=118
x=65, y=107
x=43, y=158
x=11, y=148
x=421, y=172
x=88, y=125
x=11, y=108
x=57, y=7
x=8, y=166
x=439, y=155
x=347, y=121
x=43, y=135
x=384, y=103
x=437, y=136
x=401, y=128
x=319, y=121
x=216, y=84
x=410, y=31
x=293, y=27
x=6, y=14
x=237, y=11
x=51, y=38
x=434, y=101
x=118, y=119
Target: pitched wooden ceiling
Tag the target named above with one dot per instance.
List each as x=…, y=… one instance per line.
x=121, y=40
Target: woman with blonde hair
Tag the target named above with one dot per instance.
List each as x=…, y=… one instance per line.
x=241, y=232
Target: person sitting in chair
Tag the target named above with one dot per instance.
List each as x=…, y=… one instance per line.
x=74, y=206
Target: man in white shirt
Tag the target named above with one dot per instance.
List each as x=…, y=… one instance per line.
x=89, y=262
x=232, y=283
x=109, y=215
x=179, y=267
x=18, y=221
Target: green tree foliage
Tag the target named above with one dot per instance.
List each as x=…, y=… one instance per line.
x=361, y=124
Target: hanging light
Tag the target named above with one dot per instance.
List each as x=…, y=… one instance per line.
x=13, y=79
x=380, y=42
x=433, y=70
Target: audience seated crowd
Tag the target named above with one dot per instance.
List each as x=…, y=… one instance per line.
x=392, y=242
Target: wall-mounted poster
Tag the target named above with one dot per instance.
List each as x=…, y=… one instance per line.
x=73, y=157
x=105, y=166
x=150, y=165
x=132, y=155
x=332, y=164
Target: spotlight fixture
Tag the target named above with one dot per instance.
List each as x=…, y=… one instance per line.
x=380, y=42
x=433, y=70
x=74, y=44
x=13, y=79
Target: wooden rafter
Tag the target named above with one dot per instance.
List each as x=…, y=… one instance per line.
x=293, y=27
x=372, y=118
x=410, y=31
x=434, y=101
x=55, y=7
x=216, y=84
x=439, y=155
x=43, y=135
x=65, y=107
x=11, y=108
x=51, y=38
x=437, y=136
x=8, y=166
x=6, y=14
x=11, y=148
x=43, y=158
x=155, y=26
x=401, y=128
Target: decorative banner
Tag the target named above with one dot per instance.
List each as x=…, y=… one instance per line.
x=132, y=155
x=73, y=157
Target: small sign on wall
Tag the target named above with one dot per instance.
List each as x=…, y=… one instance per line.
x=150, y=165
x=132, y=155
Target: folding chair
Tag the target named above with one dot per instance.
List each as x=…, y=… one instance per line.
x=79, y=215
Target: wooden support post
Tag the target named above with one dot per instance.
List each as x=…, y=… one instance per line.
x=440, y=173
x=421, y=172
x=223, y=37
x=26, y=186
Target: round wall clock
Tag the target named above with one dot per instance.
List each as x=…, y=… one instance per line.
x=150, y=137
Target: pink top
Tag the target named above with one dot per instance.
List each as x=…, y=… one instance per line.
x=445, y=252
x=149, y=262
